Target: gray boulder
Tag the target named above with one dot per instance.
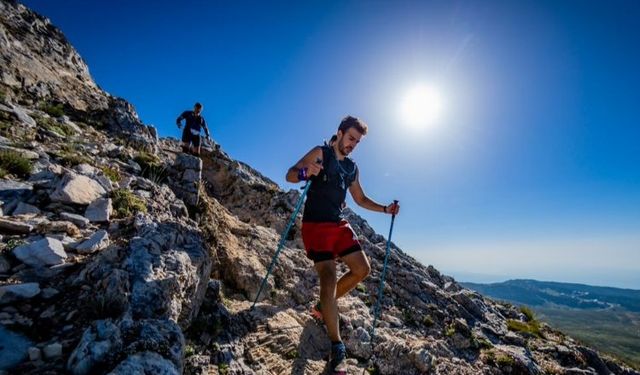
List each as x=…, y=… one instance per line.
x=99, y=343
x=99, y=210
x=22, y=152
x=106, y=341
x=14, y=227
x=78, y=220
x=145, y=363
x=170, y=268
x=45, y=252
x=14, y=292
x=98, y=241
x=23, y=117
x=10, y=189
x=25, y=209
x=13, y=348
x=78, y=189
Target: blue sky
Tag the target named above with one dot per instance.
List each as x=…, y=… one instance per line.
x=532, y=169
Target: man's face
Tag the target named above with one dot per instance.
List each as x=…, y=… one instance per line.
x=197, y=110
x=348, y=141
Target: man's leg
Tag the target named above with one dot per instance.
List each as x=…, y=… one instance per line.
x=196, y=145
x=359, y=268
x=186, y=140
x=327, y=274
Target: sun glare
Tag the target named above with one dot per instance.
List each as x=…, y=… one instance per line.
x=421, y=107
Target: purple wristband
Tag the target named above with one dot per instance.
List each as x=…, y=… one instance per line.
x=302, y=174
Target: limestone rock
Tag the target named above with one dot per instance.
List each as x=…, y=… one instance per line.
x=34, y=353
x=78, y=220
x=14, y=227
x=99, y=343
x=4, y=264
x=45, y=252
x=77, y=189
x=52, y=350
x=99, y=210
x=20, y=151
x=25, y=209
x=13, y=348
x=145, y=363
x=171, y=269
x=98, y=241
x=10, y=189
x=14, y=292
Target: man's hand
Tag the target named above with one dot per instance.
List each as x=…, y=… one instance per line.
x=313, y=169
x=392, y=209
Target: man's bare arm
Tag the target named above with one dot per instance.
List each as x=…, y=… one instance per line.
x=309, y=161
x=364, y=201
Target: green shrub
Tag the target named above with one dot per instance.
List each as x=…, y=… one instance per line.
x=70, y=155
x=292, y=354
x=53, y=110
x=71, y=159
x=223, y=368
x=531, y=328
x=12, y=162
x=155, y=173
x=125, y=203
x=152, y=167
x=146, y=159
x=361, y=288
x=112, y=173
x=189, y=350
x=408, y=317
x=3, y=96
x=13, y=243
x=528, y=313
x=428, y=321
x=481, y=342
x=504, y=360
x=55, y=126
x=450, y=331
x=5, y=125
x=499, y=358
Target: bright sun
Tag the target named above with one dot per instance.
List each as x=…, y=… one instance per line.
x=422, y=107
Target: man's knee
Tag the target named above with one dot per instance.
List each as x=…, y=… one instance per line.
x=362, y=270
x=326, y=272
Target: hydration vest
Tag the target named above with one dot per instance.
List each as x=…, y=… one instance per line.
x=328, y=190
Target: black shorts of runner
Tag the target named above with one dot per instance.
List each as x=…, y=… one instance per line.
x=188, y=137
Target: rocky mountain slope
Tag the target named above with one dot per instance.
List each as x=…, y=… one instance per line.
x=120, y=255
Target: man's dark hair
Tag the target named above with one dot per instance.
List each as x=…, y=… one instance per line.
x=353, y=122
x=197, y=105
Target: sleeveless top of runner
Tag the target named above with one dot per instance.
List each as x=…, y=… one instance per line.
x=328, y=190
x=192, y=122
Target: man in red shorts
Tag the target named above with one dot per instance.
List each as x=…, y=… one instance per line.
x=326, y=235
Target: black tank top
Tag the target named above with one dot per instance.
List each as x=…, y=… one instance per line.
x=328, y=190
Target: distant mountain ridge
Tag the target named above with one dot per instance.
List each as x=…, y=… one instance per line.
x=578, y=296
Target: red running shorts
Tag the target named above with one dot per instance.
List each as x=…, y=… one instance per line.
x=329, y=240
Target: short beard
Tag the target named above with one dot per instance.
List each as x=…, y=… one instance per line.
x=343, y=150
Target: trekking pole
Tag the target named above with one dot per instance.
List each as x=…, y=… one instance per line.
x=282, y=239
x=376, y=309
